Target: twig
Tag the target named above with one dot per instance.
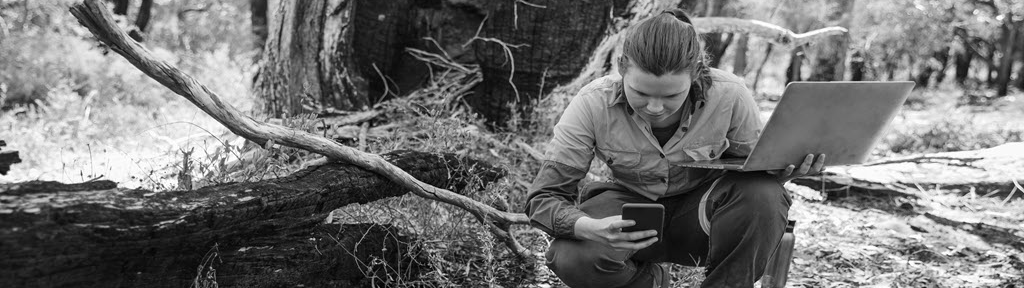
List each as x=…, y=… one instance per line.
x=505, y=47
x=1016, y=186
x=96, y=17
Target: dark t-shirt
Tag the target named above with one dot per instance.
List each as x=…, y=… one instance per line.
x=663, y=134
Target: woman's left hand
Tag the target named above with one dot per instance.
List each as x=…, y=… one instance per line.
x=811, y=166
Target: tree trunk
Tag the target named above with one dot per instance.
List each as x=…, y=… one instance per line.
x=962, y=60
x=266, y=233
x=142, y=20
x=739, y=62
x=258, y=10
x=559, y=38
x=760, y=68
x=942, y=57
x=307, y=67
x=857, y=66
x=795, y=62
x=1006, y=60
x=121, y=7
x=830, y=61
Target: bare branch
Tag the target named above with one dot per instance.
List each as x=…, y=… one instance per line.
x=93, y=15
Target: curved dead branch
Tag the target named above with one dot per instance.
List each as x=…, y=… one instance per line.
x=771, y=32
x=93, y=15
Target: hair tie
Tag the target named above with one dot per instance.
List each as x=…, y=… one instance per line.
x=679, y=14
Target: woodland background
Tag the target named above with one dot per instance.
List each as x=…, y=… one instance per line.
x=434, y=76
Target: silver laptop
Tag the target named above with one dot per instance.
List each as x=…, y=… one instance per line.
x=842, y=120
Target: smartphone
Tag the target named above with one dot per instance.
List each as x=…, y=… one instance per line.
x=648, y=216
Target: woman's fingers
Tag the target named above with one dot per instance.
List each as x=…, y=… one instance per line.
x=806, y=166
x=819, y=164
x=621, y=224
x=629, y=245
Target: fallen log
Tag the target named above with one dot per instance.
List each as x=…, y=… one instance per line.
x=266, y=232
x=7, y=159
x=96, y=17
x=996, y=171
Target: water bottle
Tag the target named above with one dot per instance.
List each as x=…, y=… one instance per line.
x=778, y=265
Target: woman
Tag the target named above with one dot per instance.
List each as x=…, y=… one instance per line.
x=664, y=107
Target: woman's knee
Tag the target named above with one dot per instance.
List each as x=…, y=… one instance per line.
x=758, y=190
x=583, y=264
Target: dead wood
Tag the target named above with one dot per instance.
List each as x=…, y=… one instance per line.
x=93, y=15
x=269, y=232
x=991, y=171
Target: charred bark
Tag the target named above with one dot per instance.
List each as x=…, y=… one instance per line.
x=1006, y=60
x=268, y=233
x=548, y=44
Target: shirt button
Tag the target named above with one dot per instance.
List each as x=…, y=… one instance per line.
x=712, y=154
x=662, y=155
x=684, y=129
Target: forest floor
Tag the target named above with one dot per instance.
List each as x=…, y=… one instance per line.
x=138, y=139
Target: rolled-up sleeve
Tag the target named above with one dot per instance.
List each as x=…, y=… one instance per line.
x=746, y=125
x=551, y=202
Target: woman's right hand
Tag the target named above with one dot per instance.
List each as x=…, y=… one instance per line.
x=608, y=231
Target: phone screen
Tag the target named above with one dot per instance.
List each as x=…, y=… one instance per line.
x=648, y=216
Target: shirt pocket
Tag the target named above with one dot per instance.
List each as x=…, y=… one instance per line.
x=707, y=151
x=623, y=164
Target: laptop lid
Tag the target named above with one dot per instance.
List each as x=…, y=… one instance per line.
x=843, y=120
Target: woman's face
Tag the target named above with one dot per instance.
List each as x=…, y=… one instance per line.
x=656, y=98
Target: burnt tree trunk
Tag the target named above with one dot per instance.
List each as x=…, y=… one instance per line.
x=266, y=233
x=830, y=58
x=857, y=66
x=559, y=38
x=739, y=61
x=1006, y=60
x=142, y=20
x=942, y=58
x=258, y=15
x=962, y=58
x=796, y=59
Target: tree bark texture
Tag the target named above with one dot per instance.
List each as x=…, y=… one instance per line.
x=986, y=171
x=309, y=61
x=830, y=57
x=269, y=233
x=559, y=38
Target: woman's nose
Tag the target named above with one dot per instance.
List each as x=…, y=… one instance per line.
x=655, y=107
